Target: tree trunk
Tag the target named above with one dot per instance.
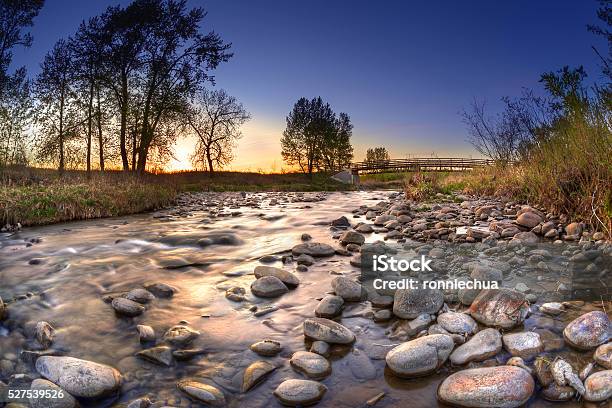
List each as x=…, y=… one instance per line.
x=100, y=138
x=61, y=135
x=211, y=170
x=123, y=130
x=89, y=126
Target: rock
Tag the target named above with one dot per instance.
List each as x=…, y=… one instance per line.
x=289, y=279
x=529, y=219
x=266, y=348
x=409, y=303
x=365, y=229
x=305, y=260
x=382, y=315
x=575, y=229
x=306, y=237
x=40, y=385
x=187, y=354
x=145, y=333
x=557, y=393
x=126, y=307
x=502, y=308
x=140, y=295
x=160, y=290
x=330, y=306
x=313, y=365
x=563, y=374
x=200, y=392
x=143, y=402
x=3, y=311
x=314, y=249
x=296, y=393
x=361, y=366
x=159, y=355
x=483, y=345
x=598, y=386
x=81, y=378
x=525, y=345
x=268, y=287
x=255, y=373
x=519, y=362
x=490, y=387
x=341, y=222
x=421, y=356
x=527, y=238
x=347, y=289
x=522, y=287
x=603, y=355
x=460, y=323
x=318, y=328
x=44, y=334
x=236, y=294
x=180, y=335
x=552, y=308
x=588, y=331
x=486, y=273
x=352, y=237
x=321, y=348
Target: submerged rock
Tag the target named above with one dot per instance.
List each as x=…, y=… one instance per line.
x=201, y=392
x=421, y=356
x=313, y=365
x=80, y=378
x=127, y=307
x=160, y=290
x=159, y=355
x=525, y=345
x=588, y=331
x=490, y=387
x=255, y=373
x=299, y=392
x=145, y=333
x=483, y=345
x=44, y=334
x=502, y=308
x=266, y=348
x=140, y=295
x=180, y=335
x=409, y=303
x=603, y=355
x=326, y=330
x=598, y=386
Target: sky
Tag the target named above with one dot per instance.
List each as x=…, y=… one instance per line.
x=402, y=70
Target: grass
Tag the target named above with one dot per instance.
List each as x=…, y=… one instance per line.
x=32, y=196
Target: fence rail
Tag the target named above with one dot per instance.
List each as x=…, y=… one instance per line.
x=422, y=164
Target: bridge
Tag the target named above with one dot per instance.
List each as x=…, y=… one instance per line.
x=419, y=164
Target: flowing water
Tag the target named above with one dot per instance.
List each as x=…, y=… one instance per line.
x=62, y=273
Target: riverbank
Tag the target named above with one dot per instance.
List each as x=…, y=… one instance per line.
x=31, y=196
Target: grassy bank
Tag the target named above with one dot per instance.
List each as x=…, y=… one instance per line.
x=31, y=196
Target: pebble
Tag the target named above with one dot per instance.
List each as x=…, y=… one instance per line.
x=313, y=365
x=81, y=378
x=44, y=334
x=588, y=331
x=318, y=328
x=255, y=373
x=266, y=348
x=201, y=392
x=236, y=294
x=421, y=356
x=126, y=307
x=483, y=345
x=352, y=237
x=296, y=393
x=491, y=387
x=268, y=287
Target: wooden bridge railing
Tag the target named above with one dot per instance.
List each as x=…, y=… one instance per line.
x=423, y=164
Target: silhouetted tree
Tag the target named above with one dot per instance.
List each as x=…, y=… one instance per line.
x=315, y=138
x=215, y=118
x=55, y=93
x=15, y=119
x=377, y=154
x=15, y=17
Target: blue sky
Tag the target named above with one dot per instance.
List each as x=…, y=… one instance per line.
x=403, y=70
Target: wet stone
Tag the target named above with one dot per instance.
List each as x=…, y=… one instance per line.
x=603, y=355
x=266, y=348
x=314, y=249
x=347, y=289
x=140, y=295
x=525, y=345
x=410, y=303
x=483, y=345
x=126, y=307
x=327, y=330
x=321, y=348
x=201, y=392
x=44, y=334
x=330, y=306
x=556, y=393
x=268, y=287
x=187, y=354
x=160, y=290
x=421, y=356
x=588, y=331
x=289, y=279
x=145, y=333
x=296, y=393
x=255, y=373
x=352, y=237
x=161, y=355
x=598, y=386
x=502, y=308
x=459, y=323
x=312, y=365
x=236, y=294
x=180, y=335
x=502, y=387
x=305, y=260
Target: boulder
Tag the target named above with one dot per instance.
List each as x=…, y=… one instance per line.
x=81, y=378
x=326, y=330
x=421, y=356
x=588, y=331
x=502, y=308
x=483, y=345
x=409, y=303
x=489, y=387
